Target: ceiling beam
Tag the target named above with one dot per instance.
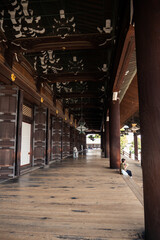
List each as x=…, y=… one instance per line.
x=86, y=110
x=87, y=106
x=79, y=95
x=93, y=77
x=89, y=114
x=71, y=42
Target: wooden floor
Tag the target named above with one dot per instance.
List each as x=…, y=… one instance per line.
x=76, y=199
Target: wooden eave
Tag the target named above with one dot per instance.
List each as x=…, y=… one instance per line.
x=128, y=48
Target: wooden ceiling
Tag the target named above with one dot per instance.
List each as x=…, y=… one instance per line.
x=71, y=46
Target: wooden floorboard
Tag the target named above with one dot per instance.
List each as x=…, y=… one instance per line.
x=76, y=199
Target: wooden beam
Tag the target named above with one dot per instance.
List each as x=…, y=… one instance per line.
x=72, y=42
x=87, y=106
x=93, y=77
x=90, y=114
x=79, y=95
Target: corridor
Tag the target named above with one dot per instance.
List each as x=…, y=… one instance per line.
x=74, y=199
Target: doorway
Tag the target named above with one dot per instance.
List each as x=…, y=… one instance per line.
x=25, y=144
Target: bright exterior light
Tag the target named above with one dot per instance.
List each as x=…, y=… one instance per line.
x=115, y=94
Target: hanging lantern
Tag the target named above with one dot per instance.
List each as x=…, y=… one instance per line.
x=134, y=127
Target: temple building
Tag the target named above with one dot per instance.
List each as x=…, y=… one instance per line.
x=68, y=69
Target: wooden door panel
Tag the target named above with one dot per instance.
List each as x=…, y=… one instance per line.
x=63, y=140
x=39, y=140
x=56, y=138
x=67, y=140
x=40, y=117
x=71, y=139
x=7, y=130
x=8, y=123
x=6, y=157
x=40, y=135
x=8, y=104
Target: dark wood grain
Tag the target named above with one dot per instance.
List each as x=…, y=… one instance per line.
x=74, y=199
x=148, y=69
x=114, y=134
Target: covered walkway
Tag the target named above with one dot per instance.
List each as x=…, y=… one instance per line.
x=72, y=199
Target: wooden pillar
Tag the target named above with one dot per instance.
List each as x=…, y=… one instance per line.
x=107, y=138
x=19, y=132
x=84, y=142
x=135, y=147
x=147, y=15
x=102, y=140
x=114, y=134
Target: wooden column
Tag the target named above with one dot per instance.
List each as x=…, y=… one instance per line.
x=107, y=152
x=114, y=134
x=135, y=147
x=19, y=132
x=147, y=16
x=103, y=141
x=84, y=141
x=79, y=141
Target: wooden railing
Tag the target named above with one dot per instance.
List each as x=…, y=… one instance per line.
x=126, y=154
x=129, y=155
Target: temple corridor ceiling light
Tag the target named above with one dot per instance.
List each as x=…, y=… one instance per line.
x=134, y=127
x=81, y=123
x=81, y=126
